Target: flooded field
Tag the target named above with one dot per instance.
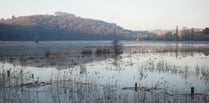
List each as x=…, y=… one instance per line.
x=91, y=72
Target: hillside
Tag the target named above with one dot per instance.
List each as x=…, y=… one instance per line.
x=61, y=26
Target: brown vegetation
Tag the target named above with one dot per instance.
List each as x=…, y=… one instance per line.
x=86, y=52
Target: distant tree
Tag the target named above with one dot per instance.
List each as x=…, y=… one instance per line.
x=206, y=31
x=13, y=16
x=185, y=33
x=117, y=50
x=177, y=33
x=2, y=19
x=205, y=34
x=169, y=36
x=117, y=47
x=192, y=34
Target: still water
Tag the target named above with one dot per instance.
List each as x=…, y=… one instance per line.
x=146, y=72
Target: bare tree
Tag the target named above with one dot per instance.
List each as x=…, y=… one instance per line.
x=13, y=17
x=117, y=47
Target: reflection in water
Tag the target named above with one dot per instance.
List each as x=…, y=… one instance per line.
x=205, y=52
x=163, y=75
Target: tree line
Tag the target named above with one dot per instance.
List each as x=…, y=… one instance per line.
x=186, y=34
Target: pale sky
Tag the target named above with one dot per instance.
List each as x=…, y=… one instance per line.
x=130, y=14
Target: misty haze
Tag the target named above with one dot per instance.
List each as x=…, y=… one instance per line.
x=121, y=51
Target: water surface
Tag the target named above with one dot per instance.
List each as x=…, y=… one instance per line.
x=164, y=72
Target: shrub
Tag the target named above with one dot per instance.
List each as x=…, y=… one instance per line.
x=86, y=52
x=102, y=51
x=117, y=47
x=47, y=53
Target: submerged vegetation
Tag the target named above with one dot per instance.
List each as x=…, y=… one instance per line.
x=101, y=51
x=113, y=73
x=86, y=52
x=78, y=84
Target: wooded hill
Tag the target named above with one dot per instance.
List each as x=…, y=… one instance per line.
x=61, y=26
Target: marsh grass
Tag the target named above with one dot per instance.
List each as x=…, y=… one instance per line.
x=102, y=51
x=86, y=52
x=76, y=84
x=69, y=88
x=170, y=49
